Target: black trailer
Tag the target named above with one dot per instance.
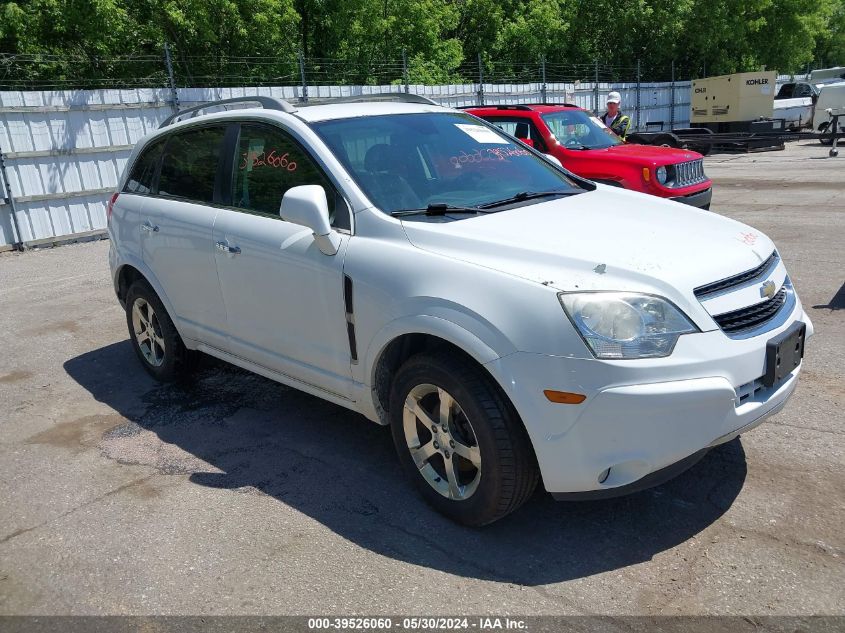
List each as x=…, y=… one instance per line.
x=762, y=136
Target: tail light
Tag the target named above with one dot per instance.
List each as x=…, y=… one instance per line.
x=110, y=206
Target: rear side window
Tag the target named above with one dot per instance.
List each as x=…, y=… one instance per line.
x=143, y=171
x=267, y=163
x=190, y=164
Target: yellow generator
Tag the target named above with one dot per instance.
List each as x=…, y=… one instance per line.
x=743, y=102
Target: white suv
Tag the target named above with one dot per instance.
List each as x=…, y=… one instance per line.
x=510, y=321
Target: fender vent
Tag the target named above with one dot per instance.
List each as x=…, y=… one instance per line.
x=350, y=318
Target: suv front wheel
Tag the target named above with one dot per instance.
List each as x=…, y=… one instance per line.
x=154, y=337
x=460, y=440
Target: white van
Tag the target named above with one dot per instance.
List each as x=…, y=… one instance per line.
x=831, y=97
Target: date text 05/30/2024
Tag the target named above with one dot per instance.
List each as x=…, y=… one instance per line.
x=417, y=623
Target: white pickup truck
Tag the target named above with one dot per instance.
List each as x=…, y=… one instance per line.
x=794, y=103
x=511, y=322
x=808, y=105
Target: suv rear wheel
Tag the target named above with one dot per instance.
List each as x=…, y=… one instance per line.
x=154, y=337
x=459, y=439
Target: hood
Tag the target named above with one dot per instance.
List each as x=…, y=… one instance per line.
x=607, y=239
x=650, y=154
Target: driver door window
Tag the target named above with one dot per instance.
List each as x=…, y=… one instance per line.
x=267, y=163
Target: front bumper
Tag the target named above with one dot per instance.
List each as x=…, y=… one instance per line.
x=700, y=199
x=640, y=417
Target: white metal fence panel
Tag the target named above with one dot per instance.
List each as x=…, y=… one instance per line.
x=65, y=150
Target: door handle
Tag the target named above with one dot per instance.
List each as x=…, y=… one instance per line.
x=225, y=248
x=149, y=228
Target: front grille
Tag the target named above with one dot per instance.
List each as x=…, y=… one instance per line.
x=689, y=173
x=752, y=316
x=737, y=280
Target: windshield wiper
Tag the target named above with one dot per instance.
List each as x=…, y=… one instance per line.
x=436, y=208
x=524, y=195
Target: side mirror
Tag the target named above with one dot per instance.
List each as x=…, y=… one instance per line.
x=306, y=205
x=527, y=141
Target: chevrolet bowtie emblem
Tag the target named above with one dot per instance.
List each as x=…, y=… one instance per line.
x=767, y=290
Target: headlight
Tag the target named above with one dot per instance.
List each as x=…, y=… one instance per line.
x=622, y=325
x=661, y=174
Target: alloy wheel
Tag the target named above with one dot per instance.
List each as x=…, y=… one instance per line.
x=442, y=442
x=147, y=331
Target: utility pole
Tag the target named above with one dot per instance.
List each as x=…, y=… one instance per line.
x=13, y=211
x=405, y=70
x=480, y=81
x=672, y=100
x=543, y=91
x=304, y=96
x=639, y=125
x=596, y=90
x=174, y=95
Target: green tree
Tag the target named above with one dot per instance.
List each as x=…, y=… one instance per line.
x=240, y=42
x=830, y=44
x=208, y=34
x=366, y=38
x=792, y=27
x=72, y=42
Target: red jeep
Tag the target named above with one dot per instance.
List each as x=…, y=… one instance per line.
x=589, y=149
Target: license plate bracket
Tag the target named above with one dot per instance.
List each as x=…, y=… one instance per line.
x=784, y=353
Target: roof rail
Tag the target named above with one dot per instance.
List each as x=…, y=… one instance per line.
x=496, y=107
x=405, y=97
x=526, y=106
x=268, y=103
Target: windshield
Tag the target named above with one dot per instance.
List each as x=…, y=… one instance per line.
x=411, y=161
x=577, y=129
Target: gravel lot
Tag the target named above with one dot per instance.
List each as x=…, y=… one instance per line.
x=236, y=495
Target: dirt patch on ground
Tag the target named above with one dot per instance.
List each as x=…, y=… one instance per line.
x=68, y=325
x=15, y=376
x=79, y=434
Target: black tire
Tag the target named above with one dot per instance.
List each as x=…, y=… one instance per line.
x=508, y=474
x=822, y=129
x=177, y=361
x=701, y=148
x=666, y=139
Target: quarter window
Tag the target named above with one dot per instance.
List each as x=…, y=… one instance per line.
x=268, y=162
x=190, y=164
x=143, y=171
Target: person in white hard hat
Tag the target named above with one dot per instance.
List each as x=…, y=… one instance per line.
x=614, y=118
